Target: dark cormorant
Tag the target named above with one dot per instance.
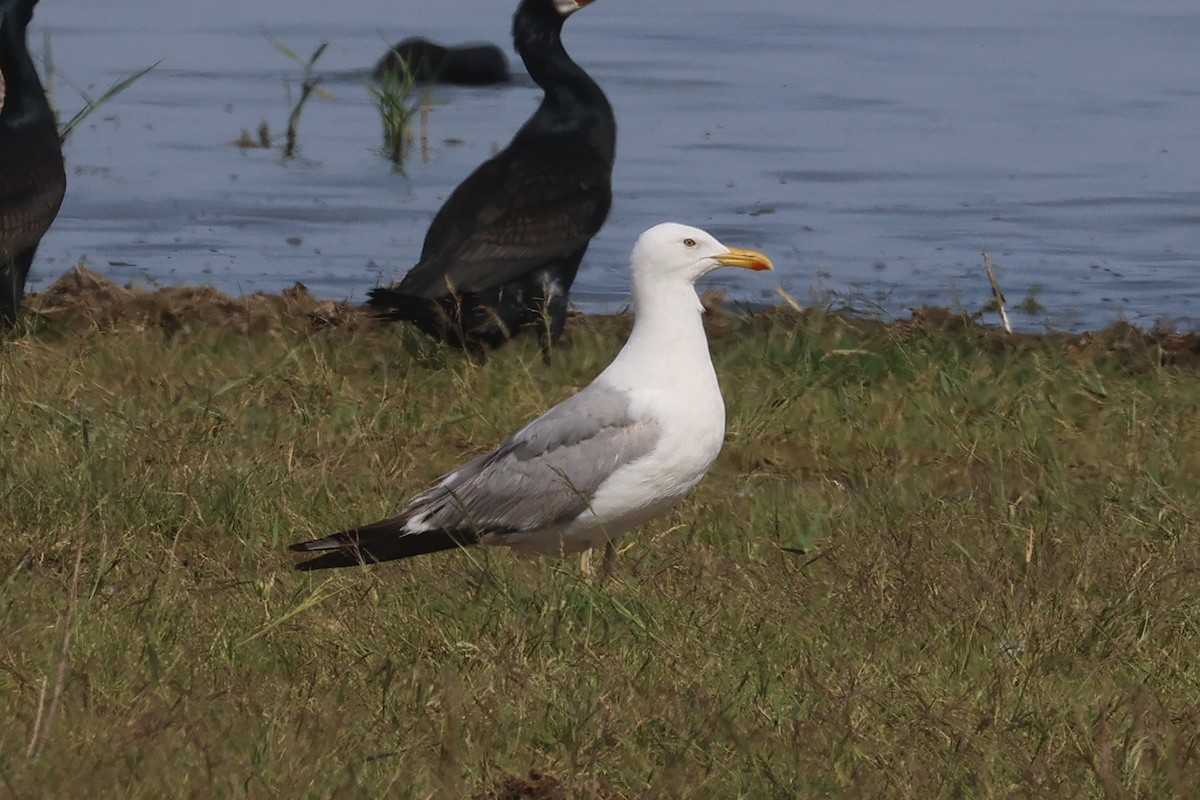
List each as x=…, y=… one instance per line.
x=502, y=252
x=32, y=178
x=429, y=62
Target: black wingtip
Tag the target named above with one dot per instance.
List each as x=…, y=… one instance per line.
x=371, y=544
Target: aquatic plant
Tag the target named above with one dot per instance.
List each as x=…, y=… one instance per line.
x=394, y=97
x=309, y=81
x=260, y=139
x=1031, y=305
x=51, y=71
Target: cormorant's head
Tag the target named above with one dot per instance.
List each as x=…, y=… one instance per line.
x=536, y=13
x=537, y=25
x=19, y=12
x=568, y=7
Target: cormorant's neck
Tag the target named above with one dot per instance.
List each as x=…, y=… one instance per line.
x=25, y=101
x=537, y=30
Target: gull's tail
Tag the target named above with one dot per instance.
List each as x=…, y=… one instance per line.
x=386, y=540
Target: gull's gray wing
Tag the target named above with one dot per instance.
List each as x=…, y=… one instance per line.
x=545, y=473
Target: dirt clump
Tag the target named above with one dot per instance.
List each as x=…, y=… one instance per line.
x=534, y=786
x=83, y=297
x=538, y=785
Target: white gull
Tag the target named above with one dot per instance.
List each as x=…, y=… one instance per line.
x=624, y=449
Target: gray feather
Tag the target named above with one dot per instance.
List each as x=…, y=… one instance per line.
x=544, y=474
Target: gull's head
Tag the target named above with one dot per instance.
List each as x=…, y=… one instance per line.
x=671, y=250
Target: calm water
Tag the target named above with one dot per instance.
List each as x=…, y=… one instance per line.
x=873, y=149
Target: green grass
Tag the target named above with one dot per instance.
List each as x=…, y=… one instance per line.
x=924, y=566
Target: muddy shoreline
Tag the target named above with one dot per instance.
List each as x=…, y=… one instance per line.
x=83, y=297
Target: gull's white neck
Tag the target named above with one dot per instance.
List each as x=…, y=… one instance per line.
x=667, y=347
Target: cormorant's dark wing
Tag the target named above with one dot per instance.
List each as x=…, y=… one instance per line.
x=32, y=180
x=514, y=214
x=32, y=184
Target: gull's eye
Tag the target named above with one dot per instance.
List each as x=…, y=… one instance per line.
x=689, y=242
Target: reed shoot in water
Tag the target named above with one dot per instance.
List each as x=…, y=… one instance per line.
x=395, y=97
x=309, y=83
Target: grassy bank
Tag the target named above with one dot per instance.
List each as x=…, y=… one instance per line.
x=929, y=563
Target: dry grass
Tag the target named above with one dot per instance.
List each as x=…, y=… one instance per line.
x=929, y=563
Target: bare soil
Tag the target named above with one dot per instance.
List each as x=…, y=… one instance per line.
x=538, y=785
x=82, y=297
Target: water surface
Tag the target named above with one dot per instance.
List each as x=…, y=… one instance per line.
x=872, y=149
